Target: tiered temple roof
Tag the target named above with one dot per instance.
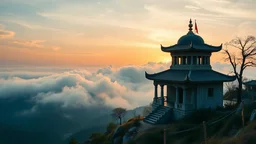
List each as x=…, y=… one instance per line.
x=185, y=46
x=199, y=76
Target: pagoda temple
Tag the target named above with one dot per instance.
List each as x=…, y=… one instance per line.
x=190, y=83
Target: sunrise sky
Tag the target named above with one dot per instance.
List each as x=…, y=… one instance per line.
x=116, y=32
x=66, y=64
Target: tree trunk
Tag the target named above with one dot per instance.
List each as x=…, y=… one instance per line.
x=239, y=91
x=120, y=120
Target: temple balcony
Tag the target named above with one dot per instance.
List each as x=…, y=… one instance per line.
x=191, y=67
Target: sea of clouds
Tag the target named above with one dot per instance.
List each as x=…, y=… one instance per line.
x=80, y=88
x=75, y=88
x=68, y=99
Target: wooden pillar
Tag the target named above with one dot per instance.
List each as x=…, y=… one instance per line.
x=192, y=60
x=193, y=98
x=156, y=86
x=177, y=97
x=184, y=98
x=162, y=94
x=205, y=132
x=164, y=136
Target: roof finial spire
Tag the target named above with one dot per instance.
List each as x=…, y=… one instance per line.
x=190, y=25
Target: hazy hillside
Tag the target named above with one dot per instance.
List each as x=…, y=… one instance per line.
x=11, y=135
x=51, y=125
x=99, y=124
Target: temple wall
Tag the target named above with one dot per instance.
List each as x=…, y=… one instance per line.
x=178, y=114
x=171, y=93
x=204, y=101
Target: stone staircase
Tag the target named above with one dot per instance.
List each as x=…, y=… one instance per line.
x=161, y=114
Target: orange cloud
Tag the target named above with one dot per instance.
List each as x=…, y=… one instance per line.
x=35, y=44
x=6, y=34
x=30, y=43
x=55, y=48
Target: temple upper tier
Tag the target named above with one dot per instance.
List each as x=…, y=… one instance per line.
x=190, y=61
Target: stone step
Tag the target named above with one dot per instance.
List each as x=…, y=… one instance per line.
x=157, y=114
x=161, y=111
x=154, y=117
x=153, y=120
x=164, y=108
x=148, y=121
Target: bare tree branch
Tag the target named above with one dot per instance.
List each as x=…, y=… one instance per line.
x=246, y=58
x=232, y=62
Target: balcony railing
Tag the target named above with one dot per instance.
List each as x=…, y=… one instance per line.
x=189, y=106
x=180, y=106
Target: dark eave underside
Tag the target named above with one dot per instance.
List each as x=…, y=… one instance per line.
x=190, y=76
x=250, y=83
x=191, y=47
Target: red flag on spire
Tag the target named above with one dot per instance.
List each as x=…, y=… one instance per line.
x=196, y=27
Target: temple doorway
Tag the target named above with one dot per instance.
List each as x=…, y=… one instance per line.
x=180, y=95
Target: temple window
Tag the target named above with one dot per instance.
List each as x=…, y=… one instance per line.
x=198, y=60
x=210, y=92
x=173, y=60
x=203, y=60
x=189, y=60
x=179, y=60
x=194, y=60
x=184, y=62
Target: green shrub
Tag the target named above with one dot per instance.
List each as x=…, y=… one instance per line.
x=73, y=141
x=98, y=138
x=230, y=105
x=199, y=116
x=111, y=127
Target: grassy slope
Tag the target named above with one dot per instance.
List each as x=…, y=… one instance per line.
x=222, y=130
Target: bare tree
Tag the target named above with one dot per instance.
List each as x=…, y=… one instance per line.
x=244, y=58
x=230, y=90
x=119, y=113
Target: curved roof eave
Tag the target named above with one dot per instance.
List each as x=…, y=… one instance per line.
x=218, y=48
x=250, y=83
x=188, y=78
x=191, y=47
x=167, y=49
